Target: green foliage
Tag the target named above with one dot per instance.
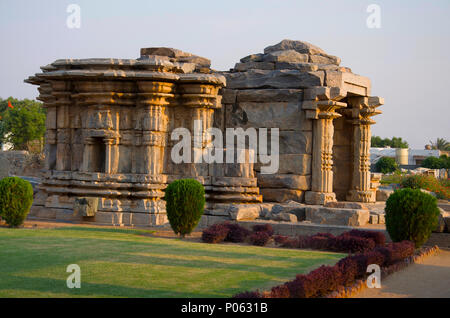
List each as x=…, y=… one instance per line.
x=428, y=183
x=386, y=165
x=395, y=142
x=396, y=177
x=185, y=201
x=23, y=123
x=442, y=162
x=440, y=144
x=411, y=215
x=16, y=197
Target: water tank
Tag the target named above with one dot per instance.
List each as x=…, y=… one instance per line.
x=401, y=156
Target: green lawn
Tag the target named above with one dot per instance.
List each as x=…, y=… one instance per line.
x=125, y=263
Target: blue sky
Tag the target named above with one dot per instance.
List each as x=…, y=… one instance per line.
x=407, y=59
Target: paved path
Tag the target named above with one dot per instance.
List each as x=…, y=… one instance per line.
x=428, y=279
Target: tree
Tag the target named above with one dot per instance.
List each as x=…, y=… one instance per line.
x=395, y=142
x=386, y=165
x=21, y=124
x=433, y=163
x=440, y=144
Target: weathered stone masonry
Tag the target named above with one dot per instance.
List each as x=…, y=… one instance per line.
x=323, y=112
x=109, y=123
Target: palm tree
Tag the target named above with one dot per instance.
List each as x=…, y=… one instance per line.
x=440, y=144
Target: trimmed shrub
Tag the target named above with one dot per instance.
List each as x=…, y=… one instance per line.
x=290, y=243
x=259, y=238
x=185, y=202
x=216, y=233
x=386, y=165
x=236, y=233
x=411, y=215
x=280, y=239
x=318, y=242
x=301, y=287
x=349, y=270
x=263, y=228
x=377, y=237
x=395, y=252
x=16, y=198
x=352, y=244
x=325, y=280
x=281, y=291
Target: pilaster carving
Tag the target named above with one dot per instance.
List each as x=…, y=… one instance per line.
x=363, y=108
x=321, y=106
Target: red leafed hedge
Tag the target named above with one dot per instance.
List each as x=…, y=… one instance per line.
x=232, y=232
x=327, y=279
x=349, y=242
x=259, y=238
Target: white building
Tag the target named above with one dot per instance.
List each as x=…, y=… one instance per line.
x=410, y=157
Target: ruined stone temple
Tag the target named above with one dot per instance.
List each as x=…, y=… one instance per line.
x=109, y=126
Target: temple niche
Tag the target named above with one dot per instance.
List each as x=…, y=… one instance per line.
x=110, y=122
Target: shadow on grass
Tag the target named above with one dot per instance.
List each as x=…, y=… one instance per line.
x=58, y=286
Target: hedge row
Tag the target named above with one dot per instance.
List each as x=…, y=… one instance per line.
x=354, y=241
x=230, y=232
x=326, y=279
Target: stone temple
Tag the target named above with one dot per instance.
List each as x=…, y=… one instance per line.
x=110, y=121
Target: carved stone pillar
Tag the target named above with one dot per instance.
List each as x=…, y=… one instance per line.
x=320, y=106
x=88, y=154
x=152, y=121
x=61, y=92
x=202, y=99
x=362, y=109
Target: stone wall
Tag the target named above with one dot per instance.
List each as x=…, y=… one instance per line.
x=301, y=90
x=20, y=163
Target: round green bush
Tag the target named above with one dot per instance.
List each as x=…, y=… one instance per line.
x=185, y=201
x=386, y=165
x=411, y=215
x=16, y=198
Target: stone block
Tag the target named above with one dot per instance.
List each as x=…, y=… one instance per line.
x=291, y=163
x=281, y=195
x=228, y=96
x=295, y=142
x=282, y=115
x=299, y=46
x=85, y=206
x=346, y=205
x=274, y=79
x=383, y=194
x=304, y=67
x=242, y=67
x=270, y=95
x=244, y=212
x=284, y=217
x=253, y=58
x=350, y=217
x=289, y=181
x=291, y=56
x=324, y=59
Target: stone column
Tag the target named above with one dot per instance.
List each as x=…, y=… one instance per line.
x=87, y=154
x=202, y=99
x=108, y=154
x=61, y=92
x=320, y=106
x=152, y=121
x=362, y=109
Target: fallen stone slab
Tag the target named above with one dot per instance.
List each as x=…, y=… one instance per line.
x=383, y=194
x=240, y=212
x=332, y=216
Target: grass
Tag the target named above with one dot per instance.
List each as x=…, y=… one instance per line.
x=125, y=263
